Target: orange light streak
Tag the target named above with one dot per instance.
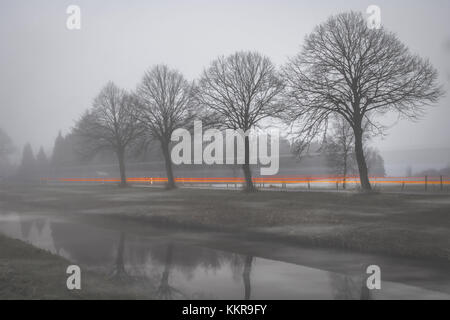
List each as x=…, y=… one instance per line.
x=260, y=180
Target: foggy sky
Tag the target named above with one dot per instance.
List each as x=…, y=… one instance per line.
x=50, y=75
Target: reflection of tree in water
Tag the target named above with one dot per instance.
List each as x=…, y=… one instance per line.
x=343, y=287
x=365, y=292
x=241, y=266
x=186, y=259
x=37, y=232
x=119, y=272
x=40, y=224
x=73, y=237
x=348, y=288
x=165, y=291
x=25, y=227
x=127, y=278
x=246, y=277
x=136, y=261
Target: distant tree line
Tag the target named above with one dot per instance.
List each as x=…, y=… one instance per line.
x=434, y=172
x=6, y=149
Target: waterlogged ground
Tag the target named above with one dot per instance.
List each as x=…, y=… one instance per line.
x=171, y=265
x=109, y=234
x=408, y=225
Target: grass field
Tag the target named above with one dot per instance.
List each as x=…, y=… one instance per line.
x=409, y=225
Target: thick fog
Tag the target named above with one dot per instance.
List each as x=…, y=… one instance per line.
x=49, y=74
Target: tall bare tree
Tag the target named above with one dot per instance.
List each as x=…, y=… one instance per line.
x=347, y=69
x=111, y=124
x=166, y=104
x=240, y=91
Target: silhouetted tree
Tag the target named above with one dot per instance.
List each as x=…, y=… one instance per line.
x=41, y=158
x=28, y=163
x=239, y=91
x=339, y=150
x=6, y=145
x=6, y=149
x=375, y=162
x=58, y=150
x=64, y=150
x=42, y=163
x=340, y=154
x=166, y=104
x=349, y=70
x=110, y=124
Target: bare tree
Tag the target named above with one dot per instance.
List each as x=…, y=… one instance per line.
x=349, y=70
x=339, y=149
x=110, y=124
x=165, y=99
x=240, y=91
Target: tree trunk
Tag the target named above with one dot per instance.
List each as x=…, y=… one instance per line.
x=344, y=178
x=246, y=277
x=246, y=168
x=123, y=177
x=168, y=163
x=167, y=266
x=165, y=291
x=120, y=266
x=360, y=159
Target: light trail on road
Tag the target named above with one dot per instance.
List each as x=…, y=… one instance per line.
x=264, y=180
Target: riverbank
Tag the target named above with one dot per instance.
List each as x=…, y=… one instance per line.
x=405, y=225
x=27, y=272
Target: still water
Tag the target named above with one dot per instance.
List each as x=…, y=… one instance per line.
x=182, y=271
